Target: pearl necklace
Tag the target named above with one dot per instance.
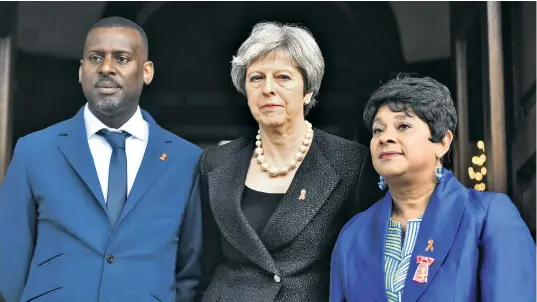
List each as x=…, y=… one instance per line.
x=273, y=171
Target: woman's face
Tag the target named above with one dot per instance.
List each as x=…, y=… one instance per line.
x=400, y=145
x=275, y=90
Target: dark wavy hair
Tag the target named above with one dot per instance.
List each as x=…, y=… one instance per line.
x=429, y=99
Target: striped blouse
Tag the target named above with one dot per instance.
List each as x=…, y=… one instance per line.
x=397, y=256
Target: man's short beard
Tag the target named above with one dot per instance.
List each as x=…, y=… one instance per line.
x=107, y=104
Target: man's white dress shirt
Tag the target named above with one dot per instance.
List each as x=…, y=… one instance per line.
x=101, y=151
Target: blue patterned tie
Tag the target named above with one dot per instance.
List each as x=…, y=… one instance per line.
x=117, y=175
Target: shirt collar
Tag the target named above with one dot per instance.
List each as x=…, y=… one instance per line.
x=136, y=126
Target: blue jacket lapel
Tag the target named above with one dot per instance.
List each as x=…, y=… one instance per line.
x=371, y=245
x=157, y=156
x=440, y=224
x=73, y=143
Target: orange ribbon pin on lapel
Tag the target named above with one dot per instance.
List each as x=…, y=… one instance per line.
x=163, y=157
x=430, y=245
x=302, y=195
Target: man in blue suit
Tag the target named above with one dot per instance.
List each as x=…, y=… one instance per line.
x=104, y=206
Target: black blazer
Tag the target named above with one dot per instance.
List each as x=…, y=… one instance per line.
x=290, y=260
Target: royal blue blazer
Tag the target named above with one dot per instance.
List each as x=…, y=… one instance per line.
x=56, y=241
x=483, y=251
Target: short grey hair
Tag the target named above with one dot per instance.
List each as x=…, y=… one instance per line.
x=295, y=41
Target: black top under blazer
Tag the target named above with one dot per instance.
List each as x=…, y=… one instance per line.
x=290, y=259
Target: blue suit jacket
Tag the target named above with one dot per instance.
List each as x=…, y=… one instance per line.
x=483, y=250
x=56, y=242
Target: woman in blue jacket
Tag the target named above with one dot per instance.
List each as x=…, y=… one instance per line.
x=429, y=238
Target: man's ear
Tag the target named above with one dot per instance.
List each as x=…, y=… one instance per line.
x=149, y=72
x=80, y=71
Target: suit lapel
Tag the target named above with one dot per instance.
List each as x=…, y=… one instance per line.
x=440, y=223
x=226, y=186
x=152, y=166
x=317, y=177
x=371, y=244
x=73, y=143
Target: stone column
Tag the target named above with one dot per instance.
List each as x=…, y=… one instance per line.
x=496, y=150
x=462, y=136
x=8, y=13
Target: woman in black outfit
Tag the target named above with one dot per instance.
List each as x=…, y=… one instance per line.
x=275, y=200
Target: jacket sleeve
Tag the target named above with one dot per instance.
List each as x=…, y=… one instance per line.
x=190, y=248
x=508, y=255
x=17, y=227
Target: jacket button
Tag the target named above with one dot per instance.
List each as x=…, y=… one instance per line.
x=277, y=278
x=110, y=259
